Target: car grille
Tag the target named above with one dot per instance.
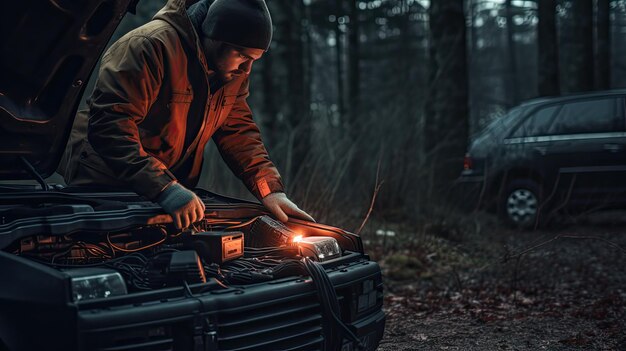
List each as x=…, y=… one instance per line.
x=293, y=323
x=278, y=325
x=157, y=338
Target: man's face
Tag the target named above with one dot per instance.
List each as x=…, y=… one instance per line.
x=228, y=60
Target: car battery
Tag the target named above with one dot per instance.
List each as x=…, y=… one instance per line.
x=216, y=247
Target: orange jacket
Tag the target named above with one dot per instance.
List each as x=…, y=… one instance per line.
x=139, y=110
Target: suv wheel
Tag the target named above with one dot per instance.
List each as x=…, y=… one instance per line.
x=521, y=203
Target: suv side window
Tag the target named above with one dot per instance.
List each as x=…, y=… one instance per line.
x=591, y=116
x=538, y=123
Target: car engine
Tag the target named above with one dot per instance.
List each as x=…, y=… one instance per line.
x=158, y=256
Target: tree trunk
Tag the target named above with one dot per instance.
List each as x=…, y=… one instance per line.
x=298, y=114
x=406, y=58
x=447, y=126
x=354, y=71
x=548, y=62
x=512, y=89
x=603, y=45
x=473, y=37
x=580, y=69
x=339, y=59
x=309, y=65
x=295, y=60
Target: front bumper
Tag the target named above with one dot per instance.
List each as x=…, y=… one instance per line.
x=283, y=314
x=279, y=315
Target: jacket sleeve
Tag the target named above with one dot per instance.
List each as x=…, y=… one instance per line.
x=128, y=83
x=239, y=142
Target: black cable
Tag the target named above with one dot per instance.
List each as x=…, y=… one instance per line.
x=61, y=265
x=332, y=340
x=333, y=296
x=328, y=298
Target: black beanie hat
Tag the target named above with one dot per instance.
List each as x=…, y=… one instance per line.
x=245, y=23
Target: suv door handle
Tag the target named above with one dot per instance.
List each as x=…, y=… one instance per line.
x=612, y=147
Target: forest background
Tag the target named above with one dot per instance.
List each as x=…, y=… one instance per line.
x=355, y=96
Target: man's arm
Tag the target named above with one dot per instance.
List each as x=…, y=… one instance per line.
x=128, y=84
x=239, y=142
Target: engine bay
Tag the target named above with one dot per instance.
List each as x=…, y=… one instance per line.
x=237, y=262
x=217, y=250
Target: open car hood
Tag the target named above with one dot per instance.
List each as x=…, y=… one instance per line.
x=22, y=213
x=66, y=213
x=47, y=53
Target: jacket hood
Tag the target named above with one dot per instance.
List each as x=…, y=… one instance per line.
x=186, y=22
x=46, y=56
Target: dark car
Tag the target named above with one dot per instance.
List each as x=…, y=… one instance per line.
x=94, y=269
x=551, y=154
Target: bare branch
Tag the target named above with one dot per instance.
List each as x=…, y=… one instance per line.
x=376, y=190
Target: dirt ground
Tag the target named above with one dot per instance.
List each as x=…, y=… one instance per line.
x=474, y=285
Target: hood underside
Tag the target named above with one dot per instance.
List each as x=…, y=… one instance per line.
x=47, y=52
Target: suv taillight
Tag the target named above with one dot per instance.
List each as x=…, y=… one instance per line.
x=467, y=162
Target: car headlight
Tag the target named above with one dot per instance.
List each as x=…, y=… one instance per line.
x=319, y=248
x=96, y=283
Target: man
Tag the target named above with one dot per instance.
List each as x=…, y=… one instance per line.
x=166, y=88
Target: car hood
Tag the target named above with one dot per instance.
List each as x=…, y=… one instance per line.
x=26, y=213
x=47, y=53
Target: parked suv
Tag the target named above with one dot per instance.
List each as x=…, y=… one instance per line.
x=550, y=154
x=98, y=269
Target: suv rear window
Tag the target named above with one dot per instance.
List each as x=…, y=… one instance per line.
x=590, y=116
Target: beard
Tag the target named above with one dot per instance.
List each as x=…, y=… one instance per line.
x=226, y=76
x=224, y=71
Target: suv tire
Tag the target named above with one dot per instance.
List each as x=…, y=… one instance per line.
x=521, y=204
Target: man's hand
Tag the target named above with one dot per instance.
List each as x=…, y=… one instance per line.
x=182, y=204
x=281, y=207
